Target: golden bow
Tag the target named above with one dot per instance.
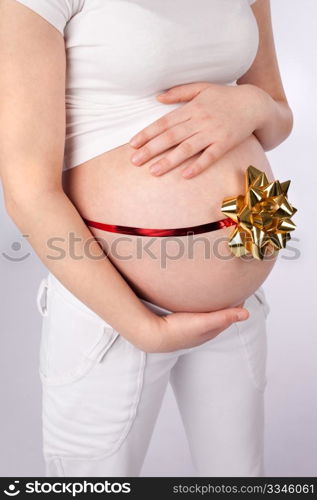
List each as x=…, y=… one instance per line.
x=263, y=216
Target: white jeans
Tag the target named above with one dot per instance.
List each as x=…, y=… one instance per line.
x=102, y=395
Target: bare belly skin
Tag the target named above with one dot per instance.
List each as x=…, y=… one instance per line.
x=190, y=273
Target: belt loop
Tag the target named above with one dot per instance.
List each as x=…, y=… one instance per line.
x=42, y=292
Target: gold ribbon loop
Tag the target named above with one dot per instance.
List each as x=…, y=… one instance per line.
x=263, y=216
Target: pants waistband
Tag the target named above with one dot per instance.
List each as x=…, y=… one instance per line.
x=52, y=281
x=57, y=285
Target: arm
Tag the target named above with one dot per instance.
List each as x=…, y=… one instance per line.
x=216, y=118
x=32, y=134
x=264, y=79
x=32, y=86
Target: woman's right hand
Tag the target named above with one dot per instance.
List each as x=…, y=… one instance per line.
x=185, y=330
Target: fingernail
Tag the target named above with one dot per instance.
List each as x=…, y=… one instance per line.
x=137, y=157
x=242, y=315
x=188, y=173
x=134, y=142
x=155, y=169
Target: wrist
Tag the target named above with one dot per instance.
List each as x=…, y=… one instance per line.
x=260, y=104
x=148, y=334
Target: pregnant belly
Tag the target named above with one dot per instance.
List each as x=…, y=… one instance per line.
x=190, y=273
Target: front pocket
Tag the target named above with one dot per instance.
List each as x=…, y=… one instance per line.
x=72, y=340
x=92, y=380
x=92, y=417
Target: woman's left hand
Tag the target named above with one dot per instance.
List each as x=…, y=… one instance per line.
x=214, y=119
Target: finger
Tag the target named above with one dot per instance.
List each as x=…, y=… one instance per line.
x=222, y=319
x=183, y=93
x=165, y=122
x=164, y=141
x=177, y=156
x=205, y=160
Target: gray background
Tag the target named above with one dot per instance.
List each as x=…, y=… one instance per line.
x=291, y=407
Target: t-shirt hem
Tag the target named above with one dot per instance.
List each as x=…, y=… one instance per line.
x=77, y=155
x=82, y=154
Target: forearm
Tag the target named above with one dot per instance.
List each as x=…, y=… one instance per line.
x=50, y=220
x=274, y=118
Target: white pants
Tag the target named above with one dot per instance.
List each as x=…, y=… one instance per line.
x=102, y=395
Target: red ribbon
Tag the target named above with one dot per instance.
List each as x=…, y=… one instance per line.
x=181, y=231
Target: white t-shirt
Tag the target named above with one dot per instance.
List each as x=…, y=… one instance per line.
x=122, y=53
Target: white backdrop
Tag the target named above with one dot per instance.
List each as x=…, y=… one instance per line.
x=291, y=403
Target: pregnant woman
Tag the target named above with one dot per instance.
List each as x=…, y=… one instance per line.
x=144, y=114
